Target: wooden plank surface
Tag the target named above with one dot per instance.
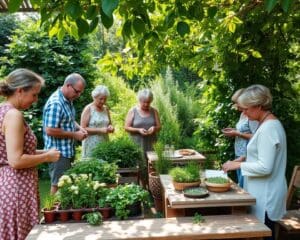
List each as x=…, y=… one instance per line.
x=214, y=227
x=291, y=221
x=235, y=197
x=151, y=156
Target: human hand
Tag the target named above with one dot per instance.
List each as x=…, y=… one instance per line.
x=229, y=132
x=80, y=135
x=52, y=155
x=110, y=129
x=143, y=131
x=151, y=130
x=230, y=165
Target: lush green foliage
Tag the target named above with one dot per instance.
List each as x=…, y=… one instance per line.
x=121, y=151
x=93, y=218
x=188, y=173
x=100, y=171
x=49, y=201
x=32, y=48
x=198, y=218
x=121, y=197
x=8, y=25
x=162, y=164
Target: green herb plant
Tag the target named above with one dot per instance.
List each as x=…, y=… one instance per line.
x=126, y=195
x=93, y=218
x=49, y=201
x=186, y=174
x=162, y=164
x=198, y=218
x=218, y=180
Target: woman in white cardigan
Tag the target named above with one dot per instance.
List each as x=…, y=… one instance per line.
x=265, y=166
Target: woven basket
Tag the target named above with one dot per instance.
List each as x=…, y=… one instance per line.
x=181, y=186
x=155, y=185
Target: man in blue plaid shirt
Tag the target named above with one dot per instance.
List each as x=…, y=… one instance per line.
x=60, y=130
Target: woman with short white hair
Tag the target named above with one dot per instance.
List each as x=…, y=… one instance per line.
x=95, y=118
x=265, y=165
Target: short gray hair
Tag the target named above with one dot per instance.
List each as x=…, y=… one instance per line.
x=73, y=78
x=256, y=95
x=145, y=94
x=100, y=90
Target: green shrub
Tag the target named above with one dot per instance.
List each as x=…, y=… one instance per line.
x=162, y=164
x=122, y=151
x=100, y=170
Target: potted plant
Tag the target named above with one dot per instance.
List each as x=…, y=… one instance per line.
x=126, y=154
x=187, y=176
x=49, y=208
x=99, y=170
x=123, y=197
x=104, y=206
x=162, y=166
x=217, y=184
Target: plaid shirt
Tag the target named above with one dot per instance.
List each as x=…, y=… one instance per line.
x=59, y=113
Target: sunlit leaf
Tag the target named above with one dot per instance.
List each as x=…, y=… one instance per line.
x=231, y=27
x=270, y=4
x=53, y=31
x=109, y=6
x=138, y=25
x=14, y=5
x=256, y=54
x=183, y=28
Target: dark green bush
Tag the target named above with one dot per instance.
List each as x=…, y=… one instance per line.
x=122, y=151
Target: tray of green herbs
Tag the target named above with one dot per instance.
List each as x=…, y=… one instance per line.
x=195, y=192
x=217, y=180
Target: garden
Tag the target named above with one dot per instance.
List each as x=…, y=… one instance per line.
x=193, y=55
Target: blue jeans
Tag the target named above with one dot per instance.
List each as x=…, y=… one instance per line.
x=240, y=178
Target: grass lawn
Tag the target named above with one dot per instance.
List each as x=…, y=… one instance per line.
x=44, y=186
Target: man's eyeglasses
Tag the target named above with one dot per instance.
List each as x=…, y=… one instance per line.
x=75, y=90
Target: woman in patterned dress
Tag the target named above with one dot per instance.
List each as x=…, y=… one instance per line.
x=95, y=118
x=19, y=200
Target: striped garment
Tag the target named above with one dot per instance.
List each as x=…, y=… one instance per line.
x=59, y=112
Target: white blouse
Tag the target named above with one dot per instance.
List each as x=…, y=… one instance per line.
x=265, y=168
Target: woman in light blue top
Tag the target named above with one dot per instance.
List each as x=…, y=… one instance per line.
x=264, y=168
x=242, y=133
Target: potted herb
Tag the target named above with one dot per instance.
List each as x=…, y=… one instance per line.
x=49, y=208
x=100, y=171
x=187, y=176
x=217, y=184
x=123, y=197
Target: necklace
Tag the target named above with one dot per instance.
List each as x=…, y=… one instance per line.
x=264, y=118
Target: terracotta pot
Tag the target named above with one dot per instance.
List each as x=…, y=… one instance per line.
x=105, y=212
x=49, y=215
x=155, y=186
x=64, y=215
x=180, y=186
x=218, y=187
x=77, y=214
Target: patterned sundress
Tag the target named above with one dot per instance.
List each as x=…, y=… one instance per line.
x=19, y=199
x=98, y=119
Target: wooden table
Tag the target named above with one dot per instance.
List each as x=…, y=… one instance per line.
x=214, y=227
x=198, y=157
x=176, y=204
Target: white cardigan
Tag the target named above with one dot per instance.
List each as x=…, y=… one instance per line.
x=265, y=168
